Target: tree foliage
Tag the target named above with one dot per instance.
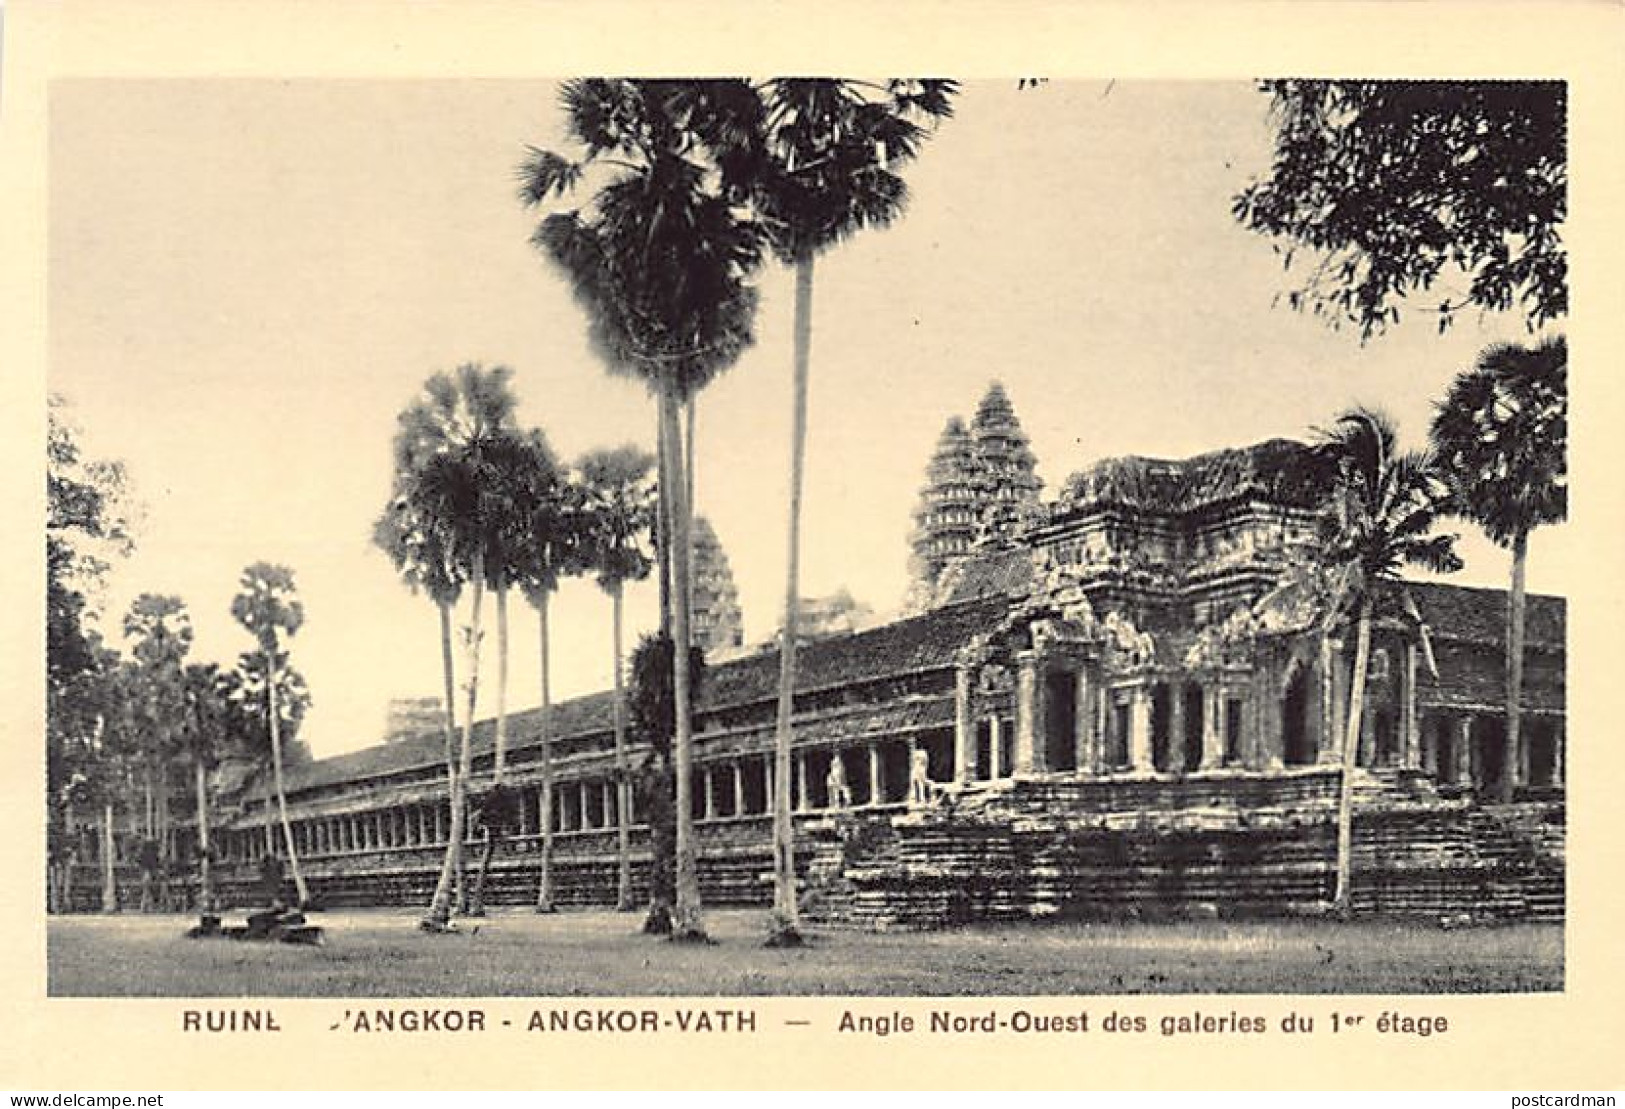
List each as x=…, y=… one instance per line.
x=1501, y=434
x=246, y=719
x=618, y=499
x=823, y=162
x=1394, y=186
x=660, y=254
x=1384, y=505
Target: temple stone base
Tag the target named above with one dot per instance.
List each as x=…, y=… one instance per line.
x=1091, y=851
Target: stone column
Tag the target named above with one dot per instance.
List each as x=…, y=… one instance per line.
x=767, y=783
x=1464, y=749
x=1410, y=731
x=1104, y=723
x=1083, y=722
x=1429, y=743
x=1212, y=732
x=581, y=806
x=1139, y=730
x=964, y=728
x=995, y=747
x=739, y=788
x=876, y=796
x=709, y=777
x=1333, y=751
x=1029, y=751
x=1558, y=745
x=803, y=800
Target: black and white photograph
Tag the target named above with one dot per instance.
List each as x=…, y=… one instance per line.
x=1105, y=523
x=821, y=549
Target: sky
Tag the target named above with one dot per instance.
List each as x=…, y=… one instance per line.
x=249, y=279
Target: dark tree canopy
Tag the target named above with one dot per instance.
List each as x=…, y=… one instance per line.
x=1394, y=186
x=1502, y=433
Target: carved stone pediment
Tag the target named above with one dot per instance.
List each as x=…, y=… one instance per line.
x=1228, y=641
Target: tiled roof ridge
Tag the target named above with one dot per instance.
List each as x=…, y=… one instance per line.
x=421, y=749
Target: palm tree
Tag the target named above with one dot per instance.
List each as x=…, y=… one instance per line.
x=620, y=495
x=442, y=482
x=550, y=551
x=1501, y=434
x=1382, y=511
x=517, y=477
x=423, y=559
x=824, y=170
x=659, y=260
x=266, y=605
x=207, y=712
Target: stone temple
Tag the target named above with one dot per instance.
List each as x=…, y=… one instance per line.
x=1122, y=713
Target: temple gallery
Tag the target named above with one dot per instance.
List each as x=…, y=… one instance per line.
x=1110, y=703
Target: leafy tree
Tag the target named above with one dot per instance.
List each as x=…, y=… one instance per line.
x=822, y=169
x=116, y=754
x=659, y=258
x=160, y=633
x=619, y=493
x=268, y=608
x=1501, y=434
x=88, y=523
x=652, y=713
x=1384, y=505
x=207, y=723
x=1393, y=184
x=443, y=488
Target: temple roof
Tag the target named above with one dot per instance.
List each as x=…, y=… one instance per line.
x=923, y=642
x=1277, y=470
x=1476, y=615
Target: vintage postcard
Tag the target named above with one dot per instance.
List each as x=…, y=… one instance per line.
x=1035, y=551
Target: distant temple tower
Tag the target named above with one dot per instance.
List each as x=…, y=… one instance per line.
x=719, y=625
x=949, y=513
x=1005, y=465
x=975, y=488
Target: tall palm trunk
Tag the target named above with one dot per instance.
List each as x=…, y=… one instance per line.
x=270, y=817
x=1514, y=666
x=109, y=878
x=689, y=470
x=499, y=759
x=440, y=907
x=785, y=928
x=454, y=781
x=205, y=865
x=1342, y=900
x=623, y=781
x=281, y=791
x=662, y=525
x=662, y=862
x=687, y=923
x=544, y=889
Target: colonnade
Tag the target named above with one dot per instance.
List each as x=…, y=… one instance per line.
x=875, y=772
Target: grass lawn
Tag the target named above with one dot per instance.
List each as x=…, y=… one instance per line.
x=379, y=953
